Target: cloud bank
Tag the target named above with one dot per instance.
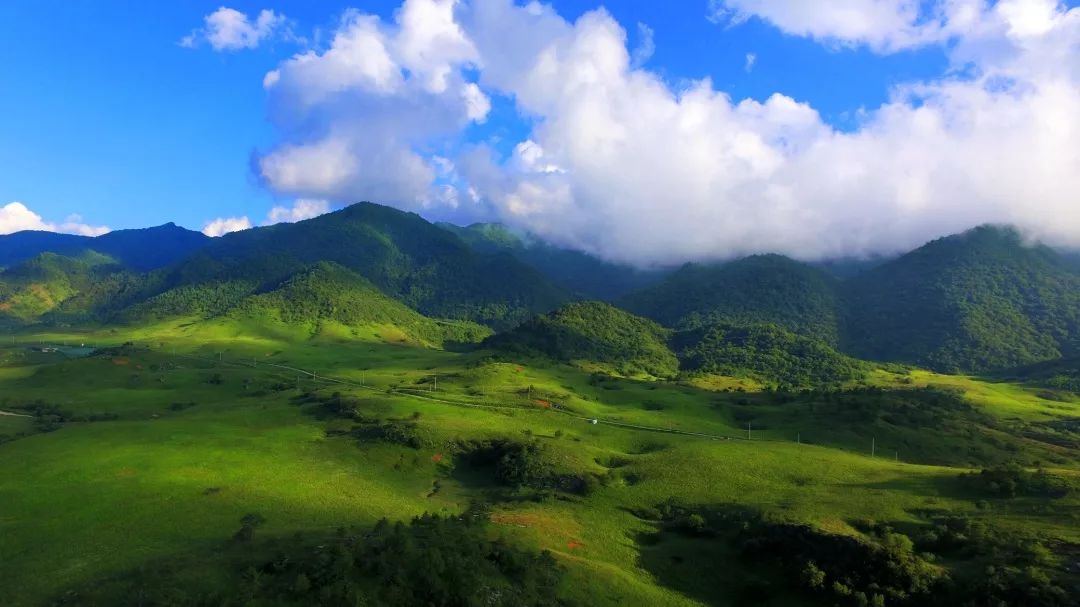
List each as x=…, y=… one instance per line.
x=622, y=164
x=15, y=217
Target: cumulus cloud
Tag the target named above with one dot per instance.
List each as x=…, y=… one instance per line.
x=362, y=113
x=15, y=217
x=622, y=164
x=228, y=29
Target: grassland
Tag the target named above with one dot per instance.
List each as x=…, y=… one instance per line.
x=200, y=424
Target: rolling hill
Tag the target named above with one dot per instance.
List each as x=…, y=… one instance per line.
x=766, y=353
x=594, y=332
x=48, y=284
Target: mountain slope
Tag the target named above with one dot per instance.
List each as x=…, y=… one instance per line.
x=327, y=292
x=142, y=249
x=764, y=352
x=67, y=287
x=972, y=302
x=575, y=271
x=409, y=259
x=762, y=288
x=594, y=332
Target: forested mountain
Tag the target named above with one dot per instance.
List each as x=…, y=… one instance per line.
x=577, y=272
x=427, y=268
x=48, y=284
x=765, y=352
x=762, y=288
x=594, y=332
x=142, y=249
x=329, y=292
x=971, y=302
x=978, y=301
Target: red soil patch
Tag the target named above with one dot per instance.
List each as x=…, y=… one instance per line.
x=543, y=403
x=574, y=545
x=519, y=369
x=121, y=361
x=438, y=457
x=5, y=306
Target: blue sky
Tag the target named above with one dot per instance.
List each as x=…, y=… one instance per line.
x=104, y=114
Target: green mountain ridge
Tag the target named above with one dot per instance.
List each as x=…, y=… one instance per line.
x=140, y=249
x=409, y=259
x=976, y=301
x=762, y=288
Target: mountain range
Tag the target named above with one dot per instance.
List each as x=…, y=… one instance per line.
x=973, y=302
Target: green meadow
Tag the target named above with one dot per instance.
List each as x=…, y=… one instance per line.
x=170, y=441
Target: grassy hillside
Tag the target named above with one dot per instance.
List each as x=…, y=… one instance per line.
x=765, y=352
x=594, y=332
x=763, y=288
x=403, y=255
x=977, y=301
x=575, y=271
x=264, y=480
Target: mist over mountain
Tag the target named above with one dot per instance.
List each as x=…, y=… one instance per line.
x=575, y=271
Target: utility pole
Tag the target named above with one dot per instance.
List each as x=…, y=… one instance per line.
x=873, y=446
x=748, y=431
x=435, y=387
x=798, y=438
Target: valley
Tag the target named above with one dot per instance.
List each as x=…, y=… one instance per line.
x=296, y=428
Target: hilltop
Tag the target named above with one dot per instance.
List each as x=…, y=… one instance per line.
x=762, y=288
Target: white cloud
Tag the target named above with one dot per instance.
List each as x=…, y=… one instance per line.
x=360, y=112
x=228, y=29
x=620, y=163
x=15, y=217
x=751, y=59
x=646, y=45
x=302, y=209
x=225, y=225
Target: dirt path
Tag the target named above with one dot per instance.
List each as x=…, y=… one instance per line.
x=14, y=414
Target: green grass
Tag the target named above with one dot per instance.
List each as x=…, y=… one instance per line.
x=96, y=499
